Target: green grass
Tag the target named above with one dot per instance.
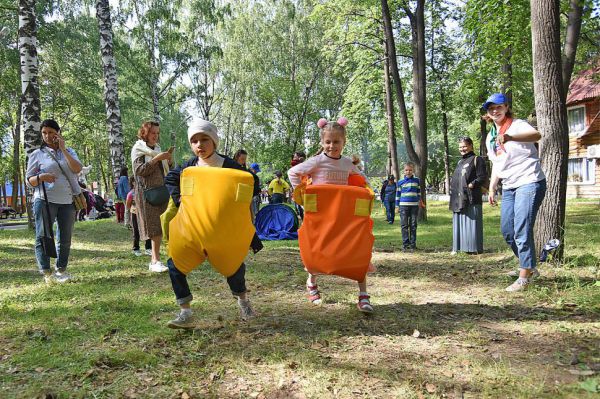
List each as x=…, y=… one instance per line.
x=105, y=336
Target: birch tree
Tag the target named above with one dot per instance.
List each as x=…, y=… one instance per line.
x=111, y=92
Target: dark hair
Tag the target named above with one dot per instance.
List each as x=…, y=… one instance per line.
x=465, y=139
x=51, y=123
x=300, y=154
x=124, y=171
x=145, y=128
x=238, y=153
x=131, y=182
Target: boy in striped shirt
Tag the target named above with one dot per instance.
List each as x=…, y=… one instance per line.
x=408, y=195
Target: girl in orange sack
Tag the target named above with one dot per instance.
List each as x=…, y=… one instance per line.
x=329, y=167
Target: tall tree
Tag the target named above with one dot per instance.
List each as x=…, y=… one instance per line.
x=389, y=114
x=111, y=92
x=30, y=91
x=417, y=153
x=551, y=118
x=571, y=41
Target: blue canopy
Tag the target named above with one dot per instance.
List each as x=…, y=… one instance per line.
x=276, y=222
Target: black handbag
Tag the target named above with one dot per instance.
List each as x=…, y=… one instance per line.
x=157, y=195
x=48, y=245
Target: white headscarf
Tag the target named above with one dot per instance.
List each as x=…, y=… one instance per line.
x=140, y=148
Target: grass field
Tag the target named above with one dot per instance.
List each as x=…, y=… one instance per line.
x=443, y=325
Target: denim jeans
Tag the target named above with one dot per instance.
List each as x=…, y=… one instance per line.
x=517, y=217
x=64, y=214
x=390, y=210
x=408, y=224
x=183, y=295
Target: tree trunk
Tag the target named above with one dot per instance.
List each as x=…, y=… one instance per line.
x=507, y=75
x=446, y=145
x=389, y=113
x=111, y=93
x=551, y=114
x=30, y=91
x=419, y=78
x=571, y=41
x=16, y=158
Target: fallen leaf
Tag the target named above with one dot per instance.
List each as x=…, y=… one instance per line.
x=431, y=388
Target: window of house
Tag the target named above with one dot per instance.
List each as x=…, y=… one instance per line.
x=581, y=170
x=576, y=118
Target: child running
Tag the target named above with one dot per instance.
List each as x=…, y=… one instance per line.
x=204, y=140
x=330, y=167
x=408, y=197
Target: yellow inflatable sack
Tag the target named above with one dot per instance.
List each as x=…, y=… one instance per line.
x=213, y=220
x=166, y=218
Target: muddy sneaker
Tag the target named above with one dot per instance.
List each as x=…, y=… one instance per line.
x=157, y=267
x=148, y=252
x=519, y=285
x=246, y=311
x=364, y=305
x=62, y=277
x=184, y=320
x=137, y=252
x=515, y=273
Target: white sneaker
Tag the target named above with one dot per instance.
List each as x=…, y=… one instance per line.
x=184, y=320
x=148, y=252
x=519, y=285
x=48, y=277
x=62, y=277
x=157, y=267
x=137, y=252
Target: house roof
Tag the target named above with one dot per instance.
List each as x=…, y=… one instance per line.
x=585, y=86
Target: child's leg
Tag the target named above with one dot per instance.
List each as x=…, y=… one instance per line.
x=314, y=295
x=183, y=296
x=237, y=284
x=404, y=221
x=135, y=232
x=413, y=226
x=364, y=305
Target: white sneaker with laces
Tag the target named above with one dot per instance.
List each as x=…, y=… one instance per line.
x=157, y=267
x=184, y=320
x=519, y=285
x=137, y=252
x=62, y=277
x=148, y=252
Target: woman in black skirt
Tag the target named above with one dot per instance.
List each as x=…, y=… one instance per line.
x=465, y=200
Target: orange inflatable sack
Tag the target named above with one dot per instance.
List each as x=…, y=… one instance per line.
x=336, y=236
x=213, y=220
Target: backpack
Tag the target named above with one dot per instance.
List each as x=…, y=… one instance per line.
x=485, y=186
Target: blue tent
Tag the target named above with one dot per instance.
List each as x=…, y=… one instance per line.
x=276, y=222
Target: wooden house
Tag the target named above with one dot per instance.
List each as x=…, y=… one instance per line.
x=583, y=111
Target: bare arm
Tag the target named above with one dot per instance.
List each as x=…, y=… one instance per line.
x=530, y=136
x=493, y=186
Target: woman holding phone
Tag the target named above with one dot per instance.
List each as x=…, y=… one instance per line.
x=55, y=166
x=150, y=166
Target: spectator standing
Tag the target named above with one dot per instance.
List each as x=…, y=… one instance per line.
x=121, y=191
x=388, y=198
x=278, y=188
x=408, y=196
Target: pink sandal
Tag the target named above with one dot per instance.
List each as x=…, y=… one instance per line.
x=313, y=294
x=364, y=305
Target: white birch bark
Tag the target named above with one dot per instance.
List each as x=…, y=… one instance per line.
x=111, y=92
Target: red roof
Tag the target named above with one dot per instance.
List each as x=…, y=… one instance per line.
x=585, y=86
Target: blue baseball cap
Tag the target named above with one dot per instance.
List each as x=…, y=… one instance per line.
x=255, y=166
x=496, y=98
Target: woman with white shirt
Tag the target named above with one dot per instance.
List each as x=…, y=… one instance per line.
x=515, y=161
x=56, y=166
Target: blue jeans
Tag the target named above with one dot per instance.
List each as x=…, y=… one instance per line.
x=64, y=214
x=390, y=209
x=517, y=217
x=408, y=224
x=181, y=288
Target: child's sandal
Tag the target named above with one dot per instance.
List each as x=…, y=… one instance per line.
x=364, y=305
x=313, y=294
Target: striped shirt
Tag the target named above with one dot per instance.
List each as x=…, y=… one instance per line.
x=408, y=192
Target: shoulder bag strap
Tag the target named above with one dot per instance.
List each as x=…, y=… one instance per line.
x=46, y=220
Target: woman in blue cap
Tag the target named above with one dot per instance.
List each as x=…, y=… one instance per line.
x=515, y=161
